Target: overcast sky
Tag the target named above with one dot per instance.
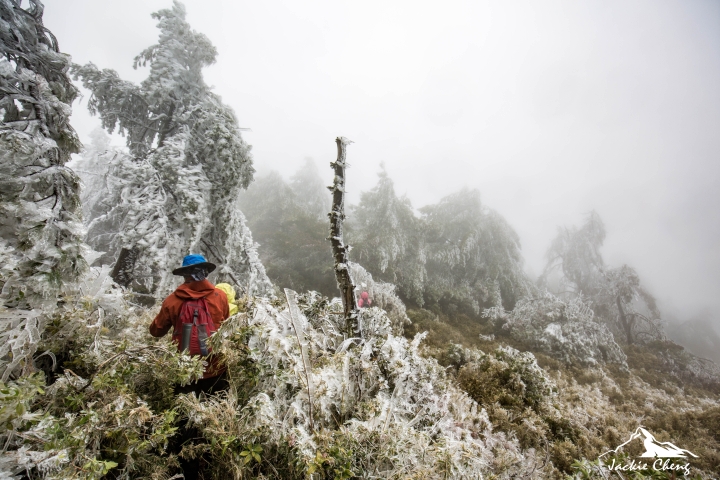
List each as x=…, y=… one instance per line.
x=550, y=108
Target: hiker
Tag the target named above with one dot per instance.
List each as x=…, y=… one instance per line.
x=230, y=293
x=195, y=302
x=195, y=311
x=364, y=301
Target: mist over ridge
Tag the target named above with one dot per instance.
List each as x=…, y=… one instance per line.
x=509, y=272
x=550, y=111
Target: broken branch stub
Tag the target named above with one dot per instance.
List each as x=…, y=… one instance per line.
x=340, y=250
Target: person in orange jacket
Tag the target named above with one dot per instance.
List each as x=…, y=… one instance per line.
x=195, y=270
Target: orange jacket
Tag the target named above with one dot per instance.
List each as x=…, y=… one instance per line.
x=170, y=313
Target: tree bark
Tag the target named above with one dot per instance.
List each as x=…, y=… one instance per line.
x=624, y=321
x=340, y=250
x=124, y=266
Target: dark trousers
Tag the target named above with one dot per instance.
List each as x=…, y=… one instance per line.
x=208, y=386
x=187, y=434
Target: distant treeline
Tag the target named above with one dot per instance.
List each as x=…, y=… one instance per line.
x=457, y=255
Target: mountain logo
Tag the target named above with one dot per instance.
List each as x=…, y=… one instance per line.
x=653, y=448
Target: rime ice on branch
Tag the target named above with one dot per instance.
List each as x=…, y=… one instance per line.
x=191, y=163
x=40, y=231
x=41, y=247
x=340, y=250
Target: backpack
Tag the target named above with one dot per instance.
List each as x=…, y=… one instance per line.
x=193, y=327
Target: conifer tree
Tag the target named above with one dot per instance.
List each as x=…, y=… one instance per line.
x=92, y=167
x=458, y=253
x=310, y=190
x=473, y=254
x=634, y=309
x=189, y=161
x=292, y=235
x=387, y=238
x=41, y=247
x=40, y=231
x=575, y=252
x=615, y=294
x=96, y=168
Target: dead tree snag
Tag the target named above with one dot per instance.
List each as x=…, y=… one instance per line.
x=340, y=250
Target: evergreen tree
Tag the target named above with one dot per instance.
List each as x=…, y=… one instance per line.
x=457, y=254
x=41, y=248
x=615, y=294
x=293, y=238
x=473, y=254
x=633, y=309
x=101, y=167
x=310, y=190
x=40, y=230
x=92, y=168
x=387, y=238
x=575, y=252
x=189, y=161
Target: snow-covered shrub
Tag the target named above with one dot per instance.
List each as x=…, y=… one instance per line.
x=307, y=401
x=665, y=364
x=564, y=330
x=455, y=356
x=507, y=376
x=382, y=295
x=110, y=402
x=303, y=400
x=517, y=394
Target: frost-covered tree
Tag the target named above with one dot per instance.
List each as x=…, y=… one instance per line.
x=387, y=238
x=575, y=252
x=637, y=315
x=41, y=247
x=457, y=254
x=615, y=294
x=40, y=230
x=243, y=257
x=310, y=190
x=564, y=330
x=133, y=210
x=293, y=238
x=189, y=159
x=473, y=255
x=92, y=168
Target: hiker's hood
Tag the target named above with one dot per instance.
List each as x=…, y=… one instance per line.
x=194, y=290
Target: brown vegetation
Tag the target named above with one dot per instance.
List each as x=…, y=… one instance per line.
x=582, y=412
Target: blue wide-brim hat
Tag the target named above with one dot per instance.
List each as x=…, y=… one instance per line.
x=190, y=262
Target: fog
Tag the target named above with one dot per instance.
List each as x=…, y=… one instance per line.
x=551, y=109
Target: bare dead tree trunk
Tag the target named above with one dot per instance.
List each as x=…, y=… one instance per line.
x=340, y=250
